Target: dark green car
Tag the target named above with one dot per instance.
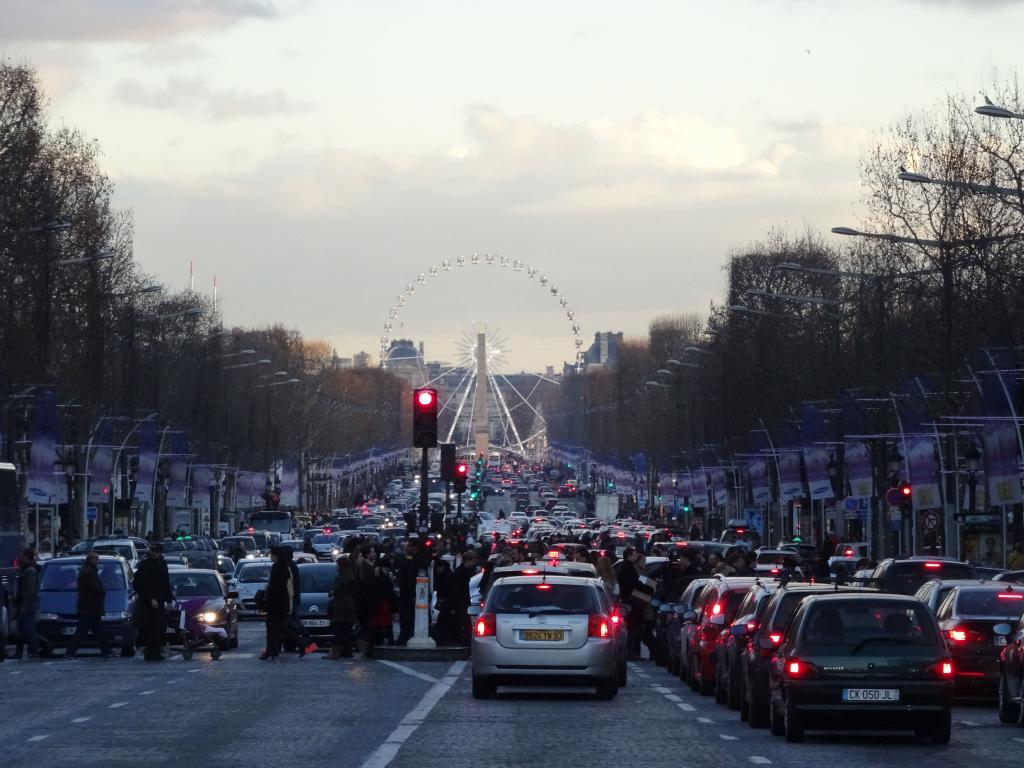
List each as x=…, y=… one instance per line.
x=858, y=661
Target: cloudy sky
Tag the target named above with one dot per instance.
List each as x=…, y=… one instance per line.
x=318, y=155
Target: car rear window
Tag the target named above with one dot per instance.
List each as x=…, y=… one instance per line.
x=317, y=579
x=987, y=602
x=540, y=597
x=121, y=550
x=908, y=577
x=868, y=627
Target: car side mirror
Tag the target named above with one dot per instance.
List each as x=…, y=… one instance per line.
x=690, y=616
x=766, y=644
x=474, y=610
x=232, y=595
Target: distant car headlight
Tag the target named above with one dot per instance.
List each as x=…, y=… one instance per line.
x=48, y=617
x=335, y=551
x=250, y=557
x=209, y=617
x=115, y=616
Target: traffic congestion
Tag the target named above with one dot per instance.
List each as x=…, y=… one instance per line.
x=546, y=597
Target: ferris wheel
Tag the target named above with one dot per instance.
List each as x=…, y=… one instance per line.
x=476, y=382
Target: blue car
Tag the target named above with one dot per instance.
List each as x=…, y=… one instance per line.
x=58, y=599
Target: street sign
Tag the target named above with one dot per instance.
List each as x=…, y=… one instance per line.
x=931, y=520
x=893, y=497
x=851, y=504
x=90, y=513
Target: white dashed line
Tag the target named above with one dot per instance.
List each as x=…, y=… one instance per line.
x=704, y=720
x=727, y=737
x=758, y=760
x=146, y=693
x=16, y=672
x=197, y=669
x=661, y=689
x=171, y=682
x=39, y=738
x=118, y=705
x=81, y=720
x=969, y=723
x=686, y=707
x=408, y=671
x=673, y=698
x=1018, y=739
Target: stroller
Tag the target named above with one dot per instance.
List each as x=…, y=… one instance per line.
x=187, y=629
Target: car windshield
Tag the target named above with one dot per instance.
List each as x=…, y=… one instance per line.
x=542, y=597
x=867, y=627
x=63, y=577
x=908, y=577
x=347, y=523
x=317, y=578
x=121, y=550
x=988, y=602
x=248, y=544
x=255, y=574
x=323, y=538
x=196, y=585
x=262, y=539
x=789, y=602
x=772, y=558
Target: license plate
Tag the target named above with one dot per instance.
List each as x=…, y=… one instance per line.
x=69, y=630
x=871, y=694
x=543, y=634
x=315, y=623
x=1000, y=639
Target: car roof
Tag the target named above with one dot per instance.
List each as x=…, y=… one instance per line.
x=849, y=597
x=545, y=578
x=190, y=571
x=70, y=558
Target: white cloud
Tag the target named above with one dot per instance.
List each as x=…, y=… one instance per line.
x=185, y=95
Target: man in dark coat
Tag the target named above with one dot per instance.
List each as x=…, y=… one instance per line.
x=343, y=610
x=293, y=626
x=407, y=571
x=91, y=596
x=460, y=598
x=152, y=592
x=26, y=605
x=629, y=577
x=279, y=603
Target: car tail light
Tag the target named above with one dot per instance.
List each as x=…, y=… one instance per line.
x=775, y=637
x=544, y=586
x=775, y=571
x=530, y=572
x=716, y=609
x=751, y=626
x=958, y=635
x=485, y=625
x=933, y=565
x=616, y=619
x=599, y=625
x=800, y=670
x=849, y=553
x=941, y=670
x=1011, y=596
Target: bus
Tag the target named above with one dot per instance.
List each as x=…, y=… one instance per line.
x=270, y=520
x=12, y=538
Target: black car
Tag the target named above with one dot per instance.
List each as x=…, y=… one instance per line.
x=975, y=621
x=905, y=577
x=862, y=661
x=762, y=642
x=315, y=582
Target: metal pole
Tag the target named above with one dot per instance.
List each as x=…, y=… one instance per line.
x=424, y=486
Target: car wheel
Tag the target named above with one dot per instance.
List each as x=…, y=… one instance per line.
x=744, y=703
x=793, y=726
x=186, y=653
x=757, y=712
x=607, y=689
x=621, y=673
x=691, y=676
x=775, y=721
x=721, y=691
x=127, y=651
x=732, y=691
x=706, y=684
x=673, y=666
x=483, y=688
x=942, y=728
x=660, y=654
x=1008, y=709
x=1020, y=702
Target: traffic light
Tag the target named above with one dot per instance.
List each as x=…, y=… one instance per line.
x=461, y=473
x=687, y=509
x=424, y=418
x=906, y=494
x=447, y=461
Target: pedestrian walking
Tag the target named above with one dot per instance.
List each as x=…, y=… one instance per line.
x=26, y=605
x=152, y=593
x=279, y=600
x=461, y=598
x=381, y=607
x=297, y=633
x=407, y=571
x=629, y=578
x=91, y=597
x=342, y=610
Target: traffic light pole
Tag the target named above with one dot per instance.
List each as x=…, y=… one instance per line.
x=424, y=520
x=421, y=626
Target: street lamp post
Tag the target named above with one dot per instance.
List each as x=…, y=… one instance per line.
x=972, y=461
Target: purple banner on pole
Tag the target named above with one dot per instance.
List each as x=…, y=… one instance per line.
x=923, y=473
x=816, y=462
x=699, y=497
x=44, y=486
x=1001, y=462
x=858, y=470
x=177, y=471
x=760, y=484
x=685, y=484
x=720, y=486
x=290, y=482
x=147, y=462
x=791, y=485
x=201, y=479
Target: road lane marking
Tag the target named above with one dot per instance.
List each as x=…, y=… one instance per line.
x=81, y=720
x=686, y=707
x=118, y=705
x=40, y=737
x=408, y=671
x=197, y=669
x=661, y=689
x=969, y=723
x=727, y=737
x=759, y=760
x=16, y=672
x=1018, y=739
x=705, y=720
x=386, y=752
x=146, y=693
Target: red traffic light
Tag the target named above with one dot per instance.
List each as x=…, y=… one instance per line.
x=906, y=490
x=425, y=397
x=461, y=469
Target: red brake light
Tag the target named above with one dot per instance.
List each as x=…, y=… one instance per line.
x=485, y=625
x=958, y=635
x=530, y=572
x=616, y=618
x=740, y=530
x=849, y=553
x=1011, y=596
x=933, y=565
x=774, y=571
x=716, y=609
x=797, y=669
x=543, y=586
x=947, y=669
x=599, y=625
x=751, y=626
x=775, y=638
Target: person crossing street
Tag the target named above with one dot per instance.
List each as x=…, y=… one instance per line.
x=91, y=598
x=152, y=592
